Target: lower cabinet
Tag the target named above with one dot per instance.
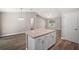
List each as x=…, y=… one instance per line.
x=41, y=43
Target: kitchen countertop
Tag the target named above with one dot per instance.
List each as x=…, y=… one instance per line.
x=39, y=32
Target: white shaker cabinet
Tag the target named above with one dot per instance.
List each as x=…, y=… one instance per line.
x=70, y=26
x=42, y=42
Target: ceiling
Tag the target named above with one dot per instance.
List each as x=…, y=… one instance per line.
x=44, y=12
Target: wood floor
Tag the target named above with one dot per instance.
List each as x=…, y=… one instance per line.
x=62, y=44
x=65, y=45
x=18, y=42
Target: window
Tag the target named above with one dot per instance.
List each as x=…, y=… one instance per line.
x=51, y=23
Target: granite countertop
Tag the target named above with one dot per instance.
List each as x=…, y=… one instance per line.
x=39, y=32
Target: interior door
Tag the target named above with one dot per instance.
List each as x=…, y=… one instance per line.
x=69, y=23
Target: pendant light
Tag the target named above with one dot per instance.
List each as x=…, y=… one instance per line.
x=32, y=20
x=21, y=15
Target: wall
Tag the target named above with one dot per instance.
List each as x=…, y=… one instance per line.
x=39, y=22
x=0, y=24
x=58, y=23
x=11, y=25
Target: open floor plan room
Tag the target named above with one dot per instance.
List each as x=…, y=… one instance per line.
x=39, y=28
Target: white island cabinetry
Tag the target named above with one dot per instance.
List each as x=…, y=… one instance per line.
x=41, y=39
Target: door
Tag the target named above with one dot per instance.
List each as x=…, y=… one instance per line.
x=69, y=30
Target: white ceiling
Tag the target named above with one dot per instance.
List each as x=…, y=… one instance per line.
x=51, y=12
x=44, y=12
x=38, y=9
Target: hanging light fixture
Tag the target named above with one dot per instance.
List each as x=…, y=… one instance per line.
x=21, y=15
x=32, y=20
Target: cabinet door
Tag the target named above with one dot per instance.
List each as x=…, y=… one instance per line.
x=52, y=39
x=31, y=43
x=46, y=41
x=38, y=43
x=42, y=42
x=69, y=23
x=49, y=40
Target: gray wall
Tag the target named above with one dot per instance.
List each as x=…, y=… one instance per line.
x=0, y=24
x=11, y=25
x=39, y=22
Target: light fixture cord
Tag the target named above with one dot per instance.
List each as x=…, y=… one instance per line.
x=21, y=12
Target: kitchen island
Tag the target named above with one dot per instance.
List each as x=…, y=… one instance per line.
x=40, y=39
